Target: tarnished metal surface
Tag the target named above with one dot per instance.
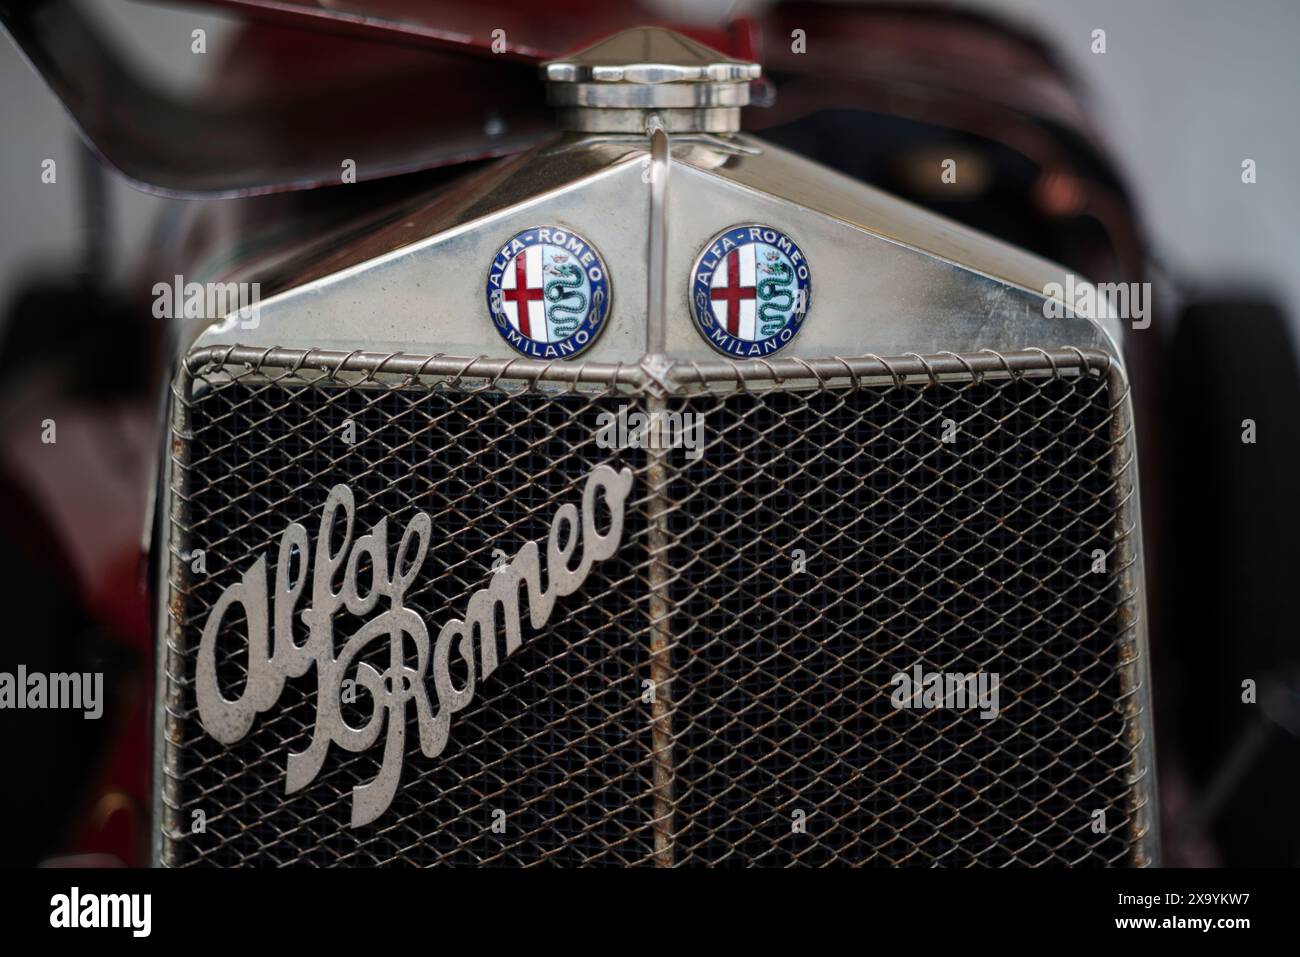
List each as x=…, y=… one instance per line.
x=704, y=698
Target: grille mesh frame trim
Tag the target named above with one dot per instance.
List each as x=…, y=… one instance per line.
x=660, y=840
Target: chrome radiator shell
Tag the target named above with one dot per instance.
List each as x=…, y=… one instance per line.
x=769, y=697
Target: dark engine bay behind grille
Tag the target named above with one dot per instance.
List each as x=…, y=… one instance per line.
x=826, y=539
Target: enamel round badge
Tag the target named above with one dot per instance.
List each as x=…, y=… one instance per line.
x=750, y=291
x=548, y=293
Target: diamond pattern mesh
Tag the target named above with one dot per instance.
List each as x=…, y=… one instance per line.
x=720, y=690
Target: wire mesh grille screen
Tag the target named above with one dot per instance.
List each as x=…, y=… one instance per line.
x=720, y=691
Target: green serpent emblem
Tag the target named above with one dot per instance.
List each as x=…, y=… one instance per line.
x=774, y=294
x=559, y=294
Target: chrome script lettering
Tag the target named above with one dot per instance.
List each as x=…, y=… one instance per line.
x=274, y=656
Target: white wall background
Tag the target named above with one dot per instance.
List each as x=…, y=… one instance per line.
x=1186, y=90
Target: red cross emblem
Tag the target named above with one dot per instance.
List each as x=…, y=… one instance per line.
x=733, y=293
x=522, y=294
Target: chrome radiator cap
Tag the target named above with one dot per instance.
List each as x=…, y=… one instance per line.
x=615, y=85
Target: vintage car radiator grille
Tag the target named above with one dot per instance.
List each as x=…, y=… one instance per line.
x=771, y=737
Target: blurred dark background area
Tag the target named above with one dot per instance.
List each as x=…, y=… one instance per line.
x=1124, y=166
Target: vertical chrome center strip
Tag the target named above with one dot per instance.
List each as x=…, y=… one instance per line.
x=657, y=273
x=658, y=505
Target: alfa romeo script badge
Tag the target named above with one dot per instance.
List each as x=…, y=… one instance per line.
x=750, y=290
x=371, y=589
x=548, y=293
